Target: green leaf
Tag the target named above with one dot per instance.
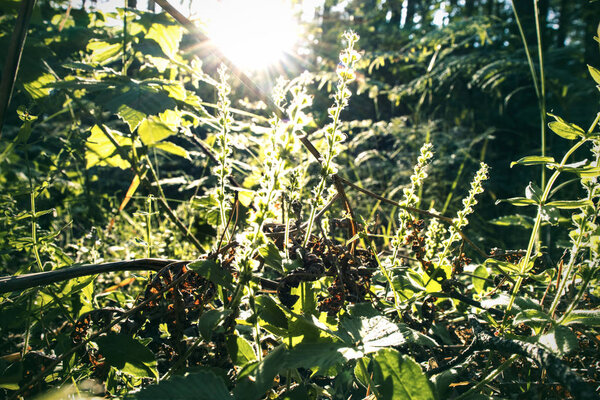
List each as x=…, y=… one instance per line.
x=205, y=385
x=594, y=73
x=586, y=171
x=570, y=204
x=564, y=129
x=518, y=220
x=270, y=312
x=518, y=201
x=212, y=271
x=209, y=321
x=255, y=379
x=103, y=52
x=38, y=88
x=240, y=351
x=101, y=150
x=479, y=279
x=172, y=148
x=152, y=131
x=531, y=316
x=533, y=192
x=371, y=334
x=128, y=355
x=167, y=37
x=271, y=256
x=533, y=160
x=560, y=340
x=585, y=317
x=399, y=377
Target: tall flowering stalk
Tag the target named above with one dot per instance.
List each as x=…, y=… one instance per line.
x=222, y=145
x=281, y=143
x=461, y=220
x=433, y=236
x=333, y=136
x=411, y=198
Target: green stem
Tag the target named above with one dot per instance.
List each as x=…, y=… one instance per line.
x=363, y=369
x=542, y=94
x=538, y=222
x=491, y=376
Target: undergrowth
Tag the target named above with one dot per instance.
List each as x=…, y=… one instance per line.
x=256, y=273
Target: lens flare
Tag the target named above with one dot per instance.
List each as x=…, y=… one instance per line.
x=252, y=34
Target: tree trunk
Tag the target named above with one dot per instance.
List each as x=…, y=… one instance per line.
x=563, y=18
x=410, y=14
x=591, y=17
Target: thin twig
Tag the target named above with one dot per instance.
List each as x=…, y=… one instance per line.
x=415, y=210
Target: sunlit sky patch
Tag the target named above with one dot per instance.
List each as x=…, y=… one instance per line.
x=254, y=34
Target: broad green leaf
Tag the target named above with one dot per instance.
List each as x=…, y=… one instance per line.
x=570, y=204
x=585, y=317
x=533, y=192
x=594, y=73
x=152, y=131
x=560, y=340
x=533, y=160
x=256, y=378
x=128, y=355
x=172, y=148
x=167, y=37
x=520, y=304
x=531, y=316
x=209, y=321
x=519, y=220
x=240, y=351
x=212, y=271
x=479, y=279
x=270, y=312
x=518, y=201
x=399, y=377
x=371, y=334
x=564, y=129
x=101, y=150
x=271, y=256
x=103, y=52
x=205, y=385
x=39, y=87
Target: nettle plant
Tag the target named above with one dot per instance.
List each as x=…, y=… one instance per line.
x=273, y=291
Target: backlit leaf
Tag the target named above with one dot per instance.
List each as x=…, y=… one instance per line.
x=565, y=129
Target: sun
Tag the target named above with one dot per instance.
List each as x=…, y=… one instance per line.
x=252, y=34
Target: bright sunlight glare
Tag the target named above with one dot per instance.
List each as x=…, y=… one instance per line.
x=252, y=34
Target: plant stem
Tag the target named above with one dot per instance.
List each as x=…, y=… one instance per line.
x=491, y=376
x=538, y=222
x=542, y=94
